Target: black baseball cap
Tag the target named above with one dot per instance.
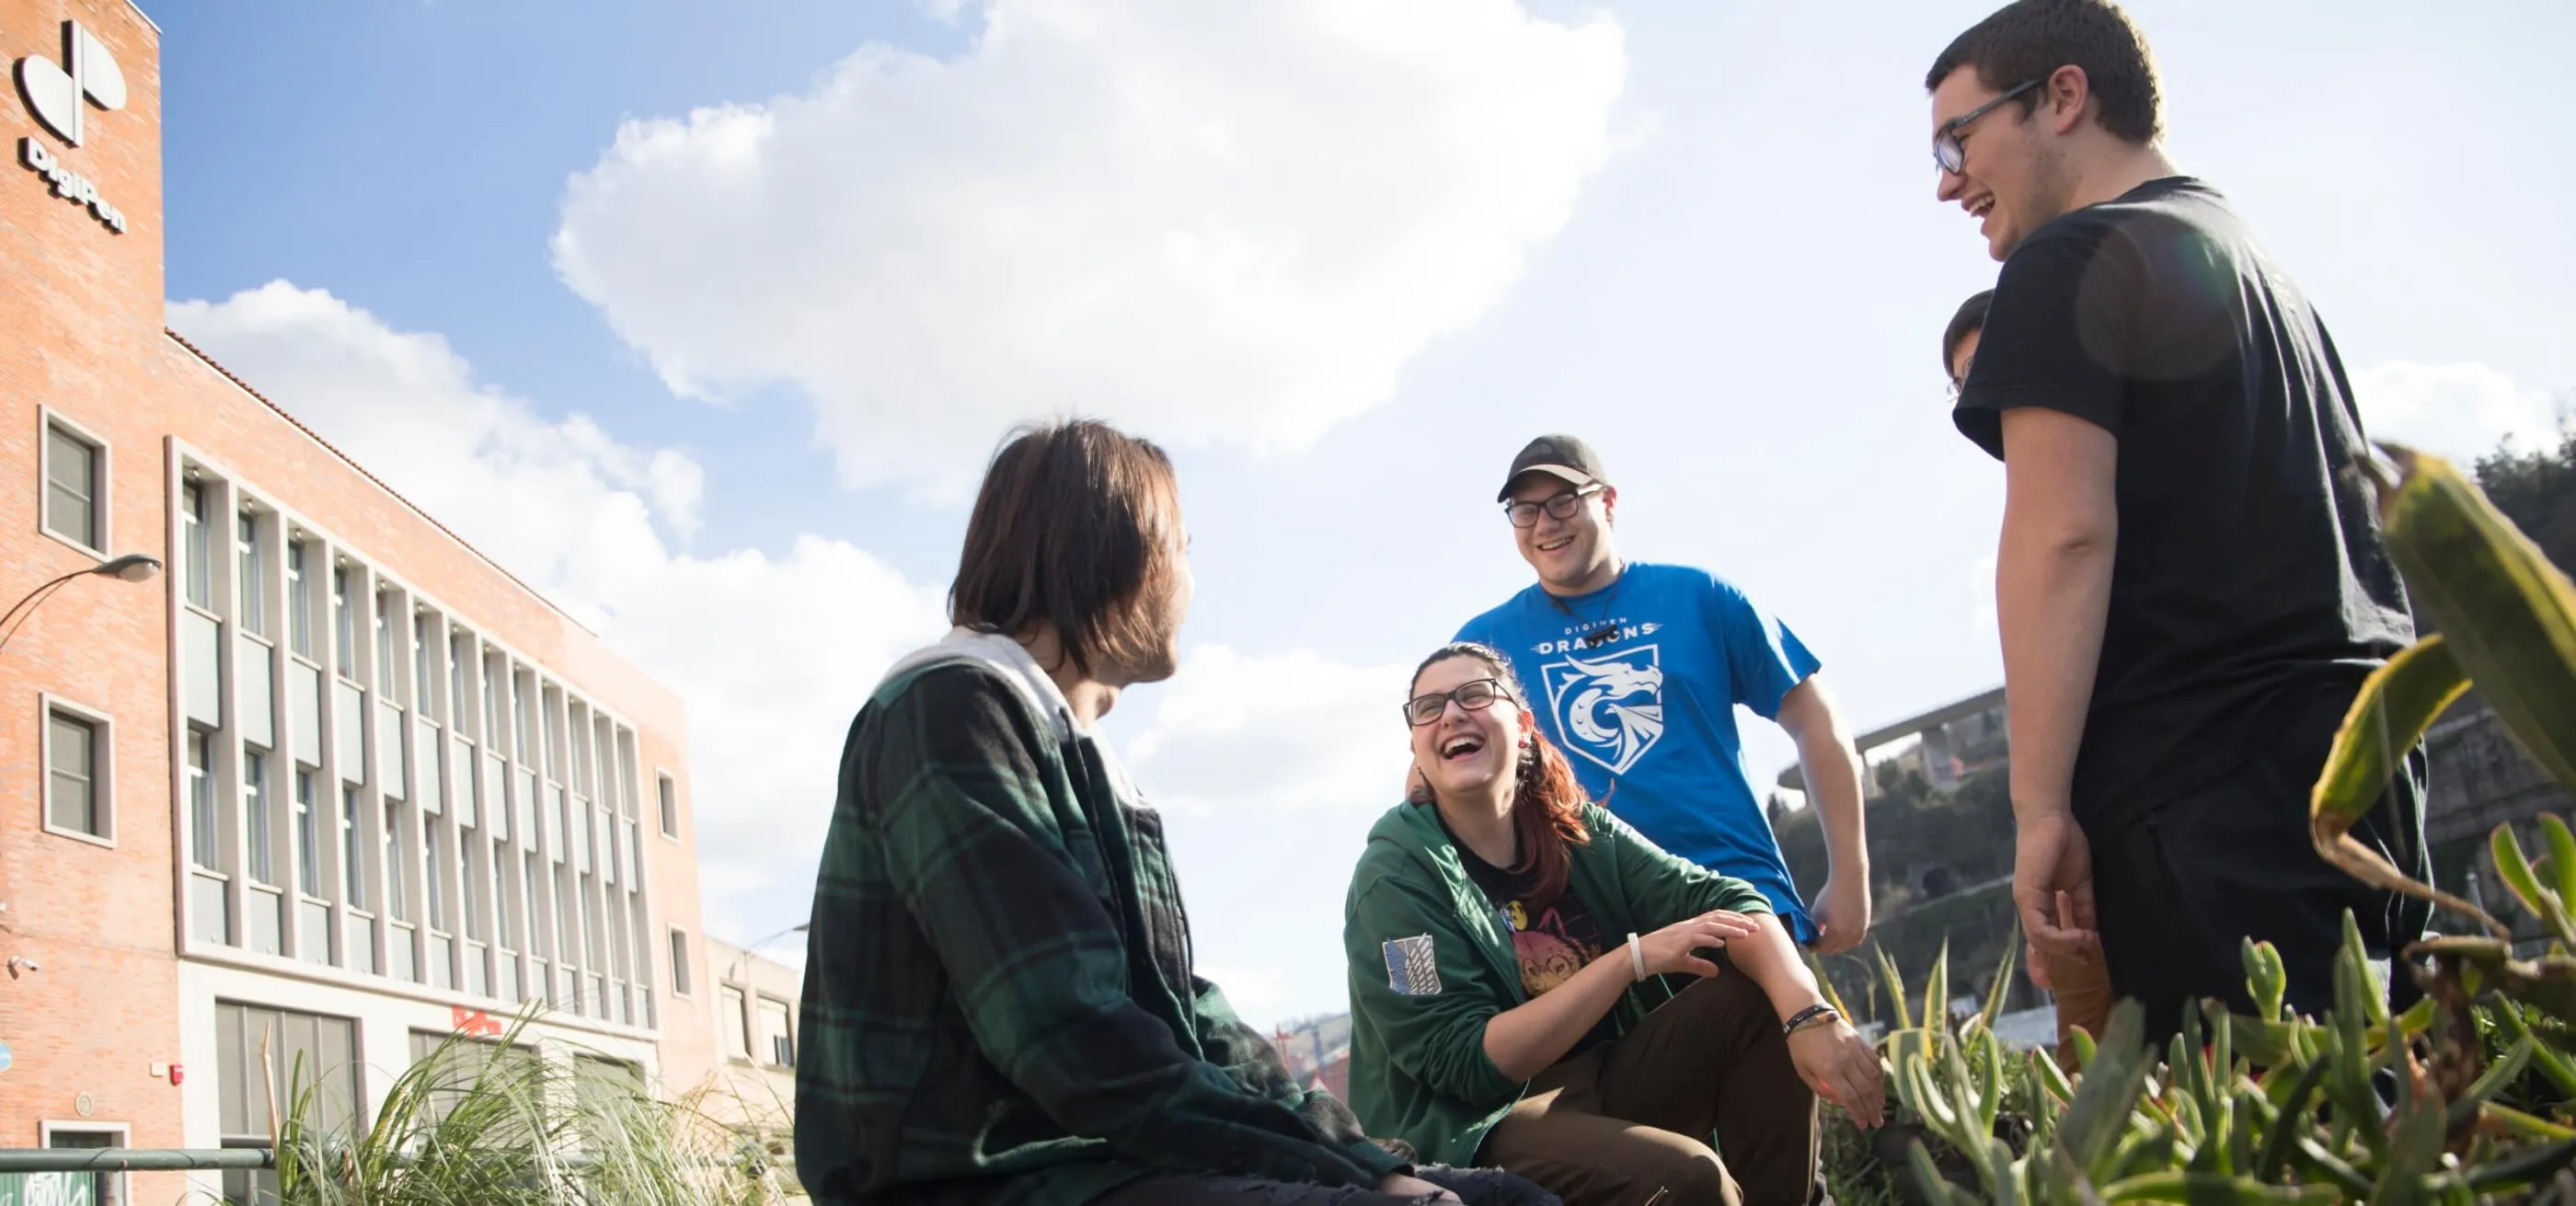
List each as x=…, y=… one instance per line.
x=1557, y=456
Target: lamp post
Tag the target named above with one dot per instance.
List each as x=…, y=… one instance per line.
x=132, y=567
x=734, y=973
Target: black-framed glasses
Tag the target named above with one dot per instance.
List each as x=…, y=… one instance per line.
x=1475, y=695
x=1558, y=506
x=1949, y=143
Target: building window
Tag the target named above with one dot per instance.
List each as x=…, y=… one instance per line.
x=424, y=678
x=202, y=847
x=192, y=520
x=385, y=648
x=458, y=649
x=270, y=1062
x=527, y=719
x=353, y=868
x=75, y=507
x=434, y=881
x=778, y=1045
x=308, y=837
x=344, y=626
x=735, y=1017
x=492, y=722
x=254, y=578
x=467, y=848
x=105, y=1188
x=502, y=908
x=679, y=962
x=76, y=774
x=299, y=601
x=536, y=919
x=262, y=868
x=397, y=899
x=670, y=793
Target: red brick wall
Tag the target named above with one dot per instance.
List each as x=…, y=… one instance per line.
x=81, y=332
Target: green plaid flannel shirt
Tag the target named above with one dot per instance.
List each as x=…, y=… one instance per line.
x=999, y=1005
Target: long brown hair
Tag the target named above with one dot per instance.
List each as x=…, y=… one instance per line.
x=1077, y=524
x=1547, y=801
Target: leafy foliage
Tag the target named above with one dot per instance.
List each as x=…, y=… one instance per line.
x=494, y=1124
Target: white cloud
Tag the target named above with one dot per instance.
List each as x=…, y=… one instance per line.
x=2459, y=411
x=1274, y=734
x=1228, y=225
x=771, y=656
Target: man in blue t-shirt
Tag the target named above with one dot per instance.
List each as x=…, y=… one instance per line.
x=1636, y=670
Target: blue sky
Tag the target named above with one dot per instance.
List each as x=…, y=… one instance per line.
x=722, y=375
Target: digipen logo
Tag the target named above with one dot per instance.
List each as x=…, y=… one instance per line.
x=88, y=72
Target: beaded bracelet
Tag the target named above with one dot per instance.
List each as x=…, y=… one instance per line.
x=1814, y=1015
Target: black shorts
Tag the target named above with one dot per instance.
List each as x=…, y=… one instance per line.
x=2179, y=888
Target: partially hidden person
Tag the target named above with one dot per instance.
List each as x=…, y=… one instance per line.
x=1000, y=1004
x=1509, y=945
x=2078, y=980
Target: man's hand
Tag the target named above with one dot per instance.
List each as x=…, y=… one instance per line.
x=1841, y=912
x=1398, y=1185
x=2053, y=883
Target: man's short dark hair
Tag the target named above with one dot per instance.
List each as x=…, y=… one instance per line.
x=1970, y=319
x=1077, y=524
x=2029, y=39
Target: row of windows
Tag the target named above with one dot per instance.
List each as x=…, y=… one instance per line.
x=772, y=1043
x=414, y=801
x=257, y=798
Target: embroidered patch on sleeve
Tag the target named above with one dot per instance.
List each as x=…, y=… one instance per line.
x=1411, y=969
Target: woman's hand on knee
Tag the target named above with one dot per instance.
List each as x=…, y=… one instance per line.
x=1842, y=1068
x=1671, y=949
x=1398, y=1185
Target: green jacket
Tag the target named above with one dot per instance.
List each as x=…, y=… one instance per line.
x=999, y=1001
x=1418, y=1065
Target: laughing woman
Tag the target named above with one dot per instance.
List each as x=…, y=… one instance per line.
x=1509, y=945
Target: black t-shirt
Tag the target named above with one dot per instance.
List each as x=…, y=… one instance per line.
x=2250, y=587
x=1552, y=941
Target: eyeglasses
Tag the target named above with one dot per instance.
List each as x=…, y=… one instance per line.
x=1949, y=143
x=1475, y=696
x=1559, y=506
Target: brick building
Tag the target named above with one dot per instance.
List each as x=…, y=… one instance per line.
x=331, y=783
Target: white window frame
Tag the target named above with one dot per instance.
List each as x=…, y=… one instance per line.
x=683, y=966
x=103, y=775
x=47, y=419
x=672, y=833
x=768, y=1058
x=46, y=1128
x=728, y=995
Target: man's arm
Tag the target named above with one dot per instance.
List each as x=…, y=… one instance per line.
x=2052, y=597
x=1832, y=770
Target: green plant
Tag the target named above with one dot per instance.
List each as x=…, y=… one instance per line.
x=493, y=1123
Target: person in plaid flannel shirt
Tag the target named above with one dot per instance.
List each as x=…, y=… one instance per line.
x=1000, y=1004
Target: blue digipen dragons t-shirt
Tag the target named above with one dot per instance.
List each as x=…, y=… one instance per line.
x=1647, y=715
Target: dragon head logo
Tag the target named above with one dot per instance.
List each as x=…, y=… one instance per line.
x=1610, y=708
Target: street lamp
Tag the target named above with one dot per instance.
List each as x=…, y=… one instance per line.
x=132, y=567
x=733, y=973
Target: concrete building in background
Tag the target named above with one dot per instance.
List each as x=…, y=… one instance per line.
x=756, y=1001
x=332, y=784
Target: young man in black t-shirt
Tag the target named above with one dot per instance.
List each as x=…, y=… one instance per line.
x=2191, y=583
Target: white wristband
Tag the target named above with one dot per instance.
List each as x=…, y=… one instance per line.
x=1637, y=958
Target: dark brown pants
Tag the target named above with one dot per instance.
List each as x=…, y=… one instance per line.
x=1614, y=1125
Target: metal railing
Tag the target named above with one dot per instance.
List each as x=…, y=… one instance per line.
x=134, y=1159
